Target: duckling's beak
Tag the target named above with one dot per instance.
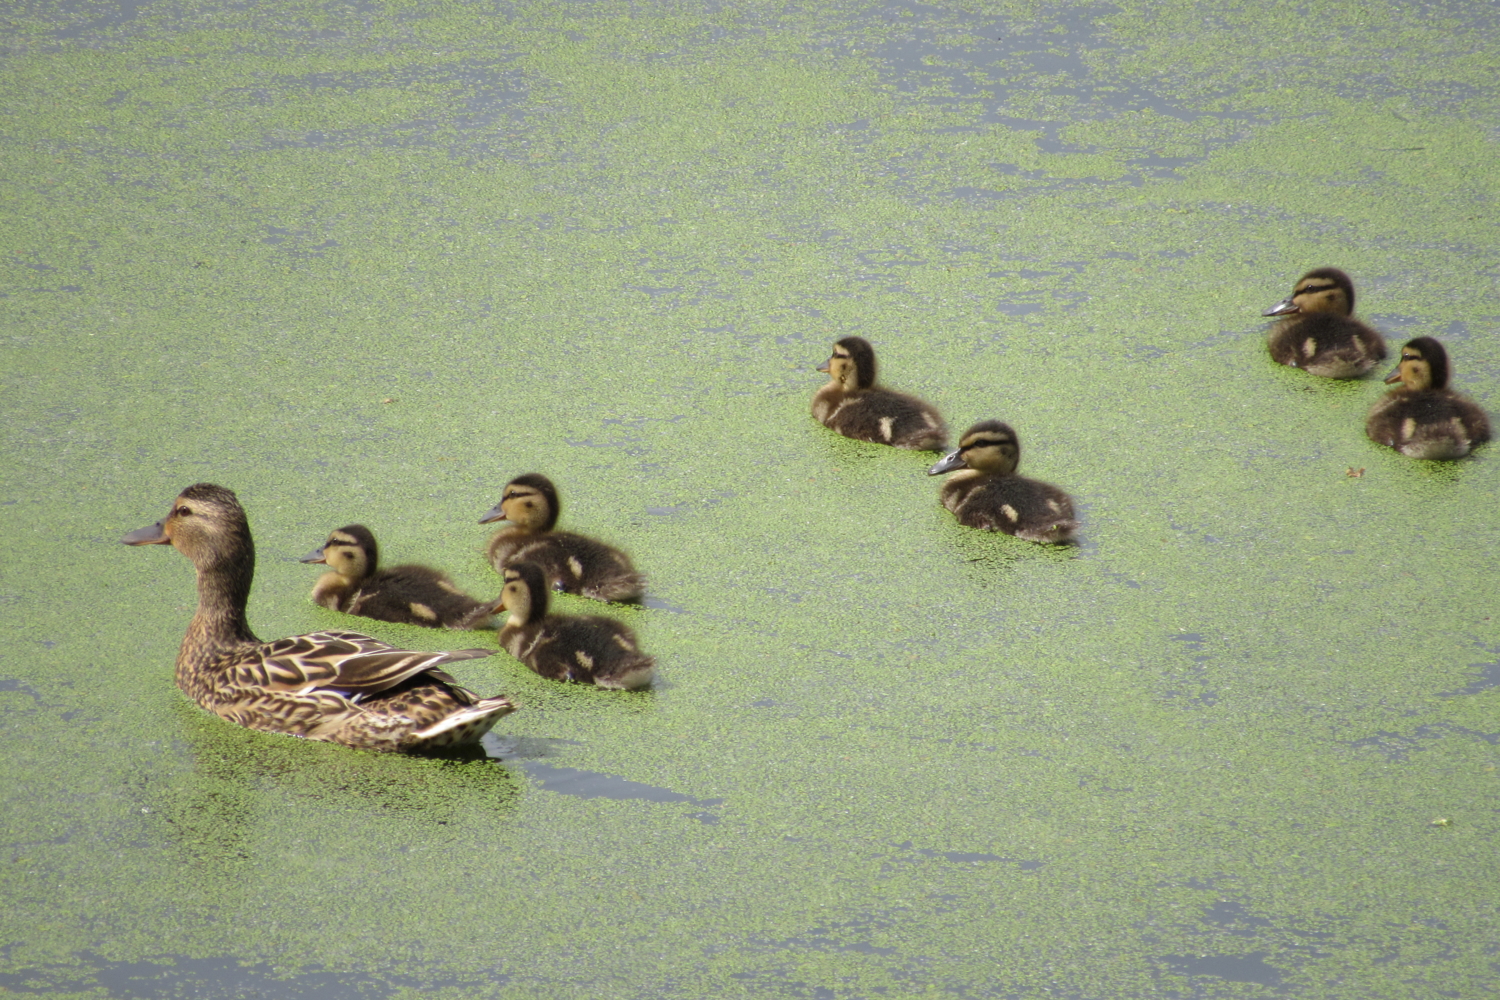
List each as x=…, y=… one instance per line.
x=1283, y=307
x=824, y=366
x=152, y=534
x=315, y=556
x=492, y=515
x=1394, y=376
x=953, y=460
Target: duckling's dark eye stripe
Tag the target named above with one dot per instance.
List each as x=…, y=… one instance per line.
x=1316, y=288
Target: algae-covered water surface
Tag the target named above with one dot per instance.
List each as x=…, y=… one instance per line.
x=367, y=261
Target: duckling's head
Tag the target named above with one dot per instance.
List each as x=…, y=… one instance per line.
x=524, y=594
x=529, y=501
x=852, y=364
x=989, y=446
x=351, y=552
x=1326, y=290
x=206, y=524
x=1423, y=365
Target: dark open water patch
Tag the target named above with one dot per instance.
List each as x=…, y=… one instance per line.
x=181, y=977
x=1251, y=968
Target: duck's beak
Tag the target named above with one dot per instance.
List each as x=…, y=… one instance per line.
x=824, y=366
x=1394, y=376
x=492, y=515
x=1282, y=308
x=152, y=534
x=315, y=556
x=953, y=460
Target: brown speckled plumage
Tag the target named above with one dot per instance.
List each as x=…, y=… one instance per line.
x=341, y=687
x=855, y=406
x=1320, y=334
x=572, y=563
x=589, y=649
x=984, y=491
x=1423, y=418
x=409, y=594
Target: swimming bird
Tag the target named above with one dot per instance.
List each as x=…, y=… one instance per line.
x=339, y=687
x=984, y=491
x=573, y=563
x=1423, y=418
x=1320, y=334
x=855, y=406
x=589, y=649
x=409, y=594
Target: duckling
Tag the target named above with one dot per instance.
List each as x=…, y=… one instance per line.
x=410, y=594
x=986, y=493
x=852, y=404
x=1320, y=334
x=338, y=687
x=588, y=649
x=574, y=564
x=1424, y=418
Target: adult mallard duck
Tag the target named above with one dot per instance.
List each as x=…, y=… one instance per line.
x=1424, y=418
x=852, y=404
x=589, y=649
x=409, y=594
x=340, y=687
x=1320, y=334
x=574, y=564
x=984, y=491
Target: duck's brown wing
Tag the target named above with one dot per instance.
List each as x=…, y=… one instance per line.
x=357, y=666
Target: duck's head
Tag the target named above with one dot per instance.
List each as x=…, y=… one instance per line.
x=206, y=524
x=524, y=594
x=989, y=446
x=852, y=364
x=1423, y=365
x=351, y=552
x=1326, y=290
x=528, y=501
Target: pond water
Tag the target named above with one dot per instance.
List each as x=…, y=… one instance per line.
x=367, y=261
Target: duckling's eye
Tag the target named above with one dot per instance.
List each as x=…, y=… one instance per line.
x=182, y=512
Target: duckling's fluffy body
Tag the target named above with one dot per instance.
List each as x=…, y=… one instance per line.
x=572, y=563
x=588, y=649
x=1423, y=418
x=339, y=687
x=855, y=406
x=1320, y=334
x=409, y=594
x=984, y=491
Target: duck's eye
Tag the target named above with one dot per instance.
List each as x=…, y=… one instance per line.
x=182, y=512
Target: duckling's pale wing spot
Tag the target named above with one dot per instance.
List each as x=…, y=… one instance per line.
x=1408, y=428
x=445, y=585
x=885, y=427
x=1310, y=348
x=575, y=566
x=423, y=611
x=1009, y=512
x=624, y=643
x=584, y=660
